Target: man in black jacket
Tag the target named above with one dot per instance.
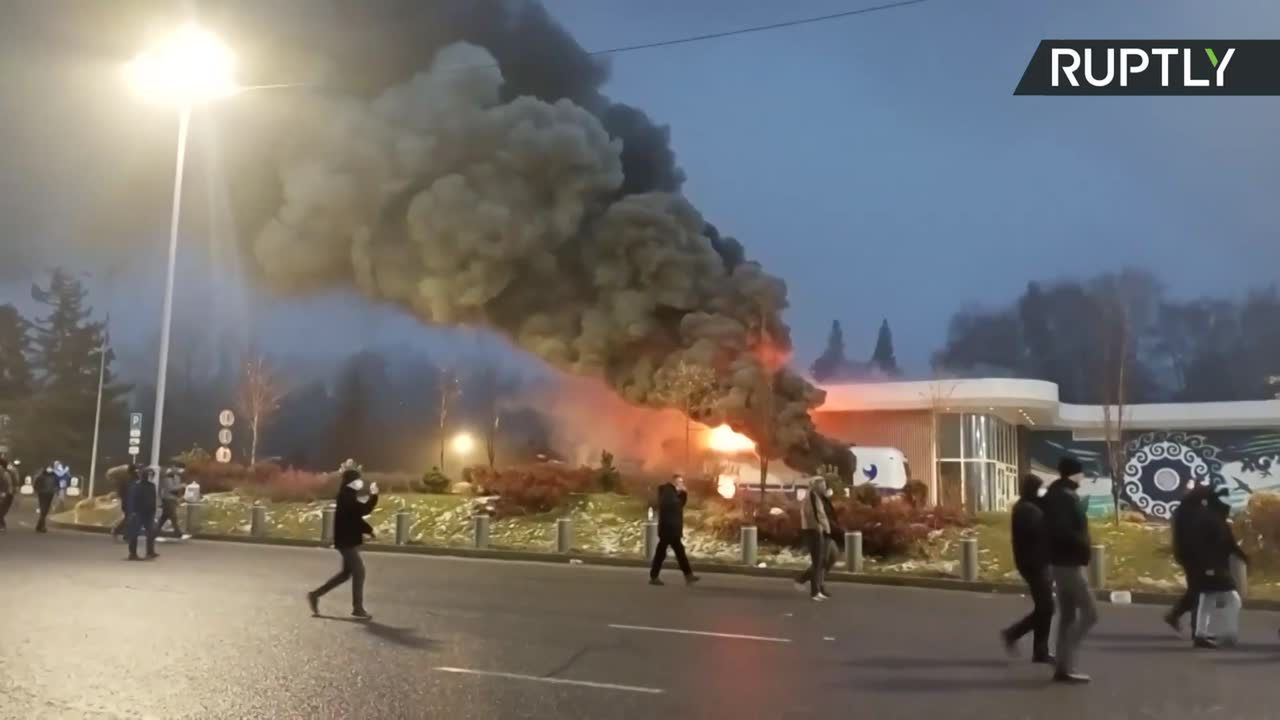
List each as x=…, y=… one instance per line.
x=1031, y=557
x=349, y=529
x=1182, y=525
x=46, y=487
x=8, y=488
x=1069, y=547
x=672, y=497
x=141, y=504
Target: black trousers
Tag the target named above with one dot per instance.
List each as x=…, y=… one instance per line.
x=169, y=514
x=660, y=556
x=46, y=502
x=6, y=502
x=353, y=570
x=833, y=550
x=142, y=524
x=1189, y=601
x=816, y=541
x=1040, y=620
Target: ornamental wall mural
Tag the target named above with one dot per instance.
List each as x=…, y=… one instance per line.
x=1159, y=463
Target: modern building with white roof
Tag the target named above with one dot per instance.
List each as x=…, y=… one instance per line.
x=970, y=439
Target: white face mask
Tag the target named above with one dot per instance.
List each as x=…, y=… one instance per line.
x=829, y=492
x=356, y=485
x=1077, y=478
x=1042, y=491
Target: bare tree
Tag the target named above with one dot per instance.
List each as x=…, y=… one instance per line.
x=258, y=399
x=1116, y=348
x=687, y=386
x=762, y=402
x=450, y=390
x=490, y=387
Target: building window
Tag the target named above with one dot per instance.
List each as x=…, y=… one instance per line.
x=977, y=462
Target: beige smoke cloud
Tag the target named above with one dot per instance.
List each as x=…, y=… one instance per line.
x=462, y=209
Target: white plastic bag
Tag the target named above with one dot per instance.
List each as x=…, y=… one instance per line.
x=1218, y=616
x=27, y=488
x=192, y=493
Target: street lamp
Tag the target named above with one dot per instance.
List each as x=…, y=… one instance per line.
x=462, y=444
x=189, y=67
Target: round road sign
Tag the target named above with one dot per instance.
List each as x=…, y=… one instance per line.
x=226, y=418
x=224, y=436
x=223, y=455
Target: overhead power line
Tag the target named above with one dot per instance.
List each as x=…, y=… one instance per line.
x=757, y=28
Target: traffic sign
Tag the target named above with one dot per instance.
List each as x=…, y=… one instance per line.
x=223, y=455
x=224, y=436
x=135, y=433
x=135, y=423
x=226, y=418
x=134, y=450
x=135, y=442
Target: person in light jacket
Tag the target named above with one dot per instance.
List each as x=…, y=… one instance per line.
x=815, y=526
x=170, y=494
x=349, y=530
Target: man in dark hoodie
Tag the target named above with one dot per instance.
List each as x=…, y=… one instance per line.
x=141, y=503
x=1031, y=556
x=1213, y=546
x=46, y=487
x=8, y=488
x=122, y=476
x=1182, y=525
x=1069, y=547
x=672, y=497
x=349, y=530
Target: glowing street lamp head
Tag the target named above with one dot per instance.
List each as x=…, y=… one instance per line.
x=463, y=443
x=188, y=67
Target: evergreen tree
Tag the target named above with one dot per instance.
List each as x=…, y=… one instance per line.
x=832, y=361
x=883, y=358
x=66, y=357
x=15, y=363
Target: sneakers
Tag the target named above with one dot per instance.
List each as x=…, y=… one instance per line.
x=1010, y=645
x=186, y=536
x=152, y=556
x=691, y=579
x=361, y=614
x=818, y=598
x=313, y=602
x=133, y=558
x=656, y=581
x=1072, y=678
x=1173, y=621
x=1204, y=643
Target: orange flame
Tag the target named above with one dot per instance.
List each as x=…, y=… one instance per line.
x=723, y=439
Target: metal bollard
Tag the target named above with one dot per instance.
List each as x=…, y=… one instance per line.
x=969, y=559
x=1097, y=567
x=193, y=517
x=853, y=551
x=650, y=540
x=402, y=527
x=564, y=535
x=481, y=524
x=326, y=524
x=258, y=520
x=749, y=545
x=1240, y=573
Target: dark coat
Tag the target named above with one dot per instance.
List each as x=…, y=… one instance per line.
x=46, y=483
x=140, y=498
x=349, y=525
x=1183, y=525
x=671, y=504
x=1068, y=525
x=1031, y=549
x=1212, y=545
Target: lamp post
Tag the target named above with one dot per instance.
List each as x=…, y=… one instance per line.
x=188, y=68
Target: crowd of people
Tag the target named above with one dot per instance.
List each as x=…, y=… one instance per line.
x=1051, y=548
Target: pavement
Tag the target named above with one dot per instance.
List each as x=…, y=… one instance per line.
x=221, y=630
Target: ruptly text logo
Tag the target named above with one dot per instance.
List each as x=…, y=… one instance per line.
x=1153, y=67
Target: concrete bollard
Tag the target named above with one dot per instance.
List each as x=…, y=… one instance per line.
x=258, y=520
x=326, y=524
x=650, y=540
x=1097, y=567
x=749, y=545
x=481, y=525
x=1240, y=573
x=853, y=551
x=564, y=535
x=193, y=517
x=969, y=559
x=402, y=527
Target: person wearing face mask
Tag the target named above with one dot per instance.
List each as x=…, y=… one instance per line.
x=46, y=486
x=8, y=488
x=815, y=526
x=1069, y=546
x=349, y=529
x=1183, y=523
x=141, y=504
x=834, y=542
x=1031, y=557
x=672, y=497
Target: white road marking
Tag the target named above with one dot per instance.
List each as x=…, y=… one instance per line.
x=703, y=633
x=552, y=681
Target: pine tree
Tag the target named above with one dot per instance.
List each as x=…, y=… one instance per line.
x=68, y=347
x=832, y=361
x=15, y=363
x=883, y=358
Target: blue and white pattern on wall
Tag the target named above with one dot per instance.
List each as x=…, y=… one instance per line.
x=1159, y=463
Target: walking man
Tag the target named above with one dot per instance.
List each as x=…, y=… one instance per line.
x=46, y=486
x=8, y=488
x=349, y=529
x=170, y=494
x=1031, y=557
x=815, y=526
x=834, y=544
x=142, y=513
x=1069, y=556
x=672, y=497
x=1186, y=517
x=122, y=476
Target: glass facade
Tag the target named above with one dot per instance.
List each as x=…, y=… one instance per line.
x=977, y=462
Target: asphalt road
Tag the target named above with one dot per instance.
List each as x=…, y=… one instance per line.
x=222, y=631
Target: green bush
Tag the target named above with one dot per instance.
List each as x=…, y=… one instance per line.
x=532, y=489
x=435, y=482
x=608, y=475
x=1258, y=530
x=895, y=528
x=916, y=493
x=866, y=495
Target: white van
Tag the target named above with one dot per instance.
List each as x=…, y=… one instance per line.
x=884, y=468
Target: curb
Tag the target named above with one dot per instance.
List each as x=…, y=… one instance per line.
x=717, y=568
